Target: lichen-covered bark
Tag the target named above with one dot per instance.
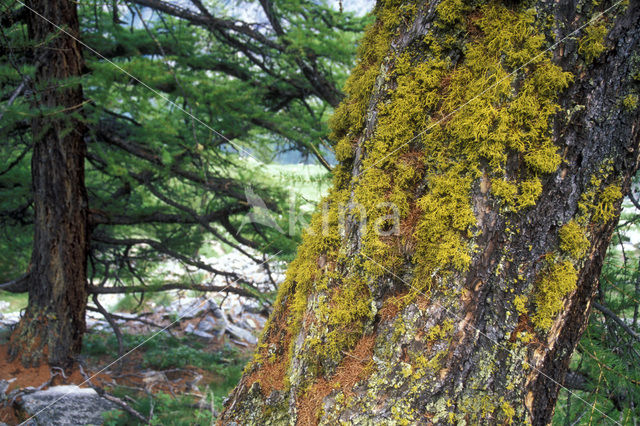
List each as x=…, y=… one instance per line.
x=52, y=326
x=506, y=157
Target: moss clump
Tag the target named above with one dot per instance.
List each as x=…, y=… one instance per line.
x=630, y=102
x=487, y=122
x=573, y=240
x=451, y=12
x=556, y=282
x=592, y=45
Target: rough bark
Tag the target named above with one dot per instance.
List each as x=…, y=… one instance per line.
x=52, y=327
x=508, y=164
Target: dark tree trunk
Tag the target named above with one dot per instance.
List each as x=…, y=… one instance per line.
x=507, y=158
x=54, y=322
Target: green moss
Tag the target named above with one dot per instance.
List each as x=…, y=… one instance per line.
x=558, y=280
x=630, y=102
x=592, y=45
x=573, y=240
x=350, y=115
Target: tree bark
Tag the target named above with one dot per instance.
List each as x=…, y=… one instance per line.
x=503, y=136
x=52, y=327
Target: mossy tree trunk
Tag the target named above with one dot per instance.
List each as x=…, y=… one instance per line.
x=505, y=157
x=52, y=327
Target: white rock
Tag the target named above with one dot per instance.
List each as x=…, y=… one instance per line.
x=73, y=406
x=241, y=333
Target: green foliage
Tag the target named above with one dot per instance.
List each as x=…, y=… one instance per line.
x=17, y=301
x=176, y=410
x=164, y=352
x=170, y=156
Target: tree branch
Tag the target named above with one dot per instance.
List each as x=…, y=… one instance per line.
x=609, y=313
x=157, y=245
x=210, y=22
x=19, y=285
x=171, y=286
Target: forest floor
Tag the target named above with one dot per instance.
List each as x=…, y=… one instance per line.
x=172, y=379
x=188, y=351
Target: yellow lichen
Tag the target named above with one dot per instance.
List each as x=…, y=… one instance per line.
x=599, y=204
x=573, y=240
x=451, y=12
x=630, y=102
x=520, y=303
x=605, y=209
x=558, y=280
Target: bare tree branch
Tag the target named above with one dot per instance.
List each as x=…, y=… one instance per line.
x=609, y=313
x=171, y=286
x=19, y=285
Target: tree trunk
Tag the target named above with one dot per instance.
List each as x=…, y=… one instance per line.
x=52, y=327
x=489, y=164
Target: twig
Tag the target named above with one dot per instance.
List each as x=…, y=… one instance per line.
x=136, y=319
x=112, y=323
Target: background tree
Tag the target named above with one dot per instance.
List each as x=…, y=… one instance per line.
x=54, y=321
x=178, y=117
x=506, y=134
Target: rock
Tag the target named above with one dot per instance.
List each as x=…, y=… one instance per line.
x=211, y=324
x=190, y=328
x=193, y=308
x=4, y=385
x=10, y=319
x=65, y=405
x=203, y=335
x=4, y=305
x=126, y=315
x=239, y=343
x=241, y=333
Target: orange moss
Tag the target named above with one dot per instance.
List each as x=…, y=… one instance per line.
x=271, y=373
x=351, y=370
x=270, y=376
x=309, y=404
x=392, y=306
